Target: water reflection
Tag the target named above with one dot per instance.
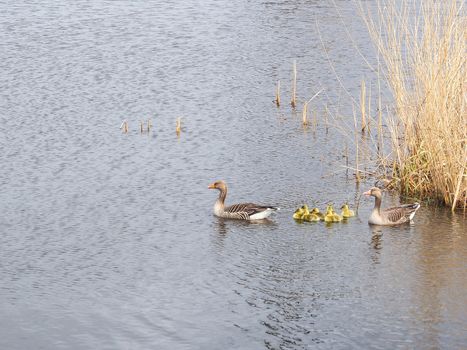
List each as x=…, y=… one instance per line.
x=225, y=225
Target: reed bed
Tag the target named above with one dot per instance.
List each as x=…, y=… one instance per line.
x=422, y=46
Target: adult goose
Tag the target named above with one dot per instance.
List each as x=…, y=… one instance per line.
x=242, y=211
x=389, y=216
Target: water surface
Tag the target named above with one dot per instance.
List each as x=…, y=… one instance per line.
x=108, y=240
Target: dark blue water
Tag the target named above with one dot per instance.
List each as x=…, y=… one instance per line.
x=107, y=240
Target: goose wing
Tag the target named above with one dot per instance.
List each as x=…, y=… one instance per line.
x=401, y=213
x=249, y=209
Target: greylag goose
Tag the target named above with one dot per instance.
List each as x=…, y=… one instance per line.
x=242, y=211
x=389, y=216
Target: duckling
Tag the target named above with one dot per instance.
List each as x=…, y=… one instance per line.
x=319, y=214
x=336, y=217
x=346, y=212
x=301, y=212
x=311, y=217
x=329, y=217
x=298, y=214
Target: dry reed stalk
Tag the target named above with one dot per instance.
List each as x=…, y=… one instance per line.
x=357, y=155
x=363, y=104
x=149, y=124
x=141, y=126
x=315, y=120
x=423, y=52
x=304, y=114
x=124, y=126
x=368, y=125
x=380, y=122
x=178, y=126
x=278, y=93
x=346, y=154
x=293, y=102
x=326, y=114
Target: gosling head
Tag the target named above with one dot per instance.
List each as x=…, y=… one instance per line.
x=218, y=185
x=374, y=191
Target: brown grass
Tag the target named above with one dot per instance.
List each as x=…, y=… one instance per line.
x=423, y=49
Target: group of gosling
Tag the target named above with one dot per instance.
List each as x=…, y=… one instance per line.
x=305, y=214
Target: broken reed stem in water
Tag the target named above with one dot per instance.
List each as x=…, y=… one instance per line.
x=278, y=93
x=304, y=114
x=124, y=126
x=363, y=104
x=305, y=108
x=357, y=171
x=380, y=121
x=141, y=126
x=178, y=126
x=346, y=152
x=293, y=102
x=326, y=118
x=368, y=125
x=315, y=120
x=149, y=125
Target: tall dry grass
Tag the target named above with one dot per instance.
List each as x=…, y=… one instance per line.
x=422, y=46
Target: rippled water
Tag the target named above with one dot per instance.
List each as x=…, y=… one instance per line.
x=108, y=240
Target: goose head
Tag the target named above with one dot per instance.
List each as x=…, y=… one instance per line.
x=374, y=191
x=218, y=185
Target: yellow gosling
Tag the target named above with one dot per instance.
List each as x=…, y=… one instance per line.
x=346, y=212
x=298, y=214
x=311, y=217
x=316, y=212
x=329, y=217
x=336, y=217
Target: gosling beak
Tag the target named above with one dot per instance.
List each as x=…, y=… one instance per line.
x=211, y=186
x=367, y=193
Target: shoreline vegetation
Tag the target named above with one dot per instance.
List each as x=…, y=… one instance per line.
x=420, y=149
x=421, y=48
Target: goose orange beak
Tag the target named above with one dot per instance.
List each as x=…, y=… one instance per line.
x=211, y=186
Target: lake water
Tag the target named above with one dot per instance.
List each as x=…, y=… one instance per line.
x=108, y=241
